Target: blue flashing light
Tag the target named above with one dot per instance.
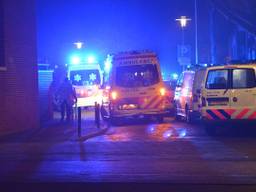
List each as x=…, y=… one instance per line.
x=107, y=66
x=175, y=76
x=75, y=60
x=91, y=59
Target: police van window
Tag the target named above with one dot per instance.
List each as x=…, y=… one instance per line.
x=217, y=79
x=243, y=78
x=137, y=75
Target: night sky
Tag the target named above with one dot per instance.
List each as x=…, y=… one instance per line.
x=109, y=26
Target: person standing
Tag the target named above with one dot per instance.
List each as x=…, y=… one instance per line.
x=67, y=96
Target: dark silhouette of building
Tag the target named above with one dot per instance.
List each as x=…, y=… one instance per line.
x=18, y=66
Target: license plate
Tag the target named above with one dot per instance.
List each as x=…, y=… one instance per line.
x=128, y=106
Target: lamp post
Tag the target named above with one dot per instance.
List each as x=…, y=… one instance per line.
x=183, y=20
x=196, y=35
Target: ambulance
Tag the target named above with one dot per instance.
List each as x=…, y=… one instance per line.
x=87, y=80
x=229, y=94
x=136, y=88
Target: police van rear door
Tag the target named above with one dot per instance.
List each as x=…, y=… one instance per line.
x=243, y=94
x=217, y=94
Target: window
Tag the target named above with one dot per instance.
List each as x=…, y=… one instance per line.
x=137, y=75
x=2, y=64
x=180, y=80
x=243, y=78
x=85, y=77
x=217, y=79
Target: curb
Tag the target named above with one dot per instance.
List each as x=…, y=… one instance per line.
x=94, y=134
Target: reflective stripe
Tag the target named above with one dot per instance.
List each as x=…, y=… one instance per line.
x=242, y=114
x=230, y=112
x=218, y=114
x=212, y=114
x=253, y=116
x=225, y=113
x=150, y=102
x=208, y=116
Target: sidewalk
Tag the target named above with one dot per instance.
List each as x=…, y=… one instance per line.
x=57, y=131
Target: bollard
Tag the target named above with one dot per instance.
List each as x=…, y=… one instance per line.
x=97, y=115
x=79, y=121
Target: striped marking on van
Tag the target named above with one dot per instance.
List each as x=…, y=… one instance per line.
x=152, y=102
x=226, y=114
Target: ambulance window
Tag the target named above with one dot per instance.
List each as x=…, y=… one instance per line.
x=243, y=78
x=137, y=75
x=85, y=77
x=217, y=79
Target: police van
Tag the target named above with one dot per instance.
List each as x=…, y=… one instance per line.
x=136, y=88
x=229, y=94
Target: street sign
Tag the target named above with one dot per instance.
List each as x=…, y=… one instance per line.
x=184, y=54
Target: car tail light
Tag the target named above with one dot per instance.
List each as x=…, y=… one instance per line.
x=114, y=95
x=162, y=92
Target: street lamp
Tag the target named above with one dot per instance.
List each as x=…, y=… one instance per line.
x=79, y=45
x=196, y=35
x=183, y=20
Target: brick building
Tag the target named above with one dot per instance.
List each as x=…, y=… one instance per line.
x=18, y=66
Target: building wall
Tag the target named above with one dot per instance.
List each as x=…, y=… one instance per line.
x=18, y=80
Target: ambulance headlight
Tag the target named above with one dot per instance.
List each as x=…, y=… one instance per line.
x=162, y=91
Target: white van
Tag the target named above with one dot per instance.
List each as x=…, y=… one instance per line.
x=229, y=94
x=187, y=95
x=136, y=88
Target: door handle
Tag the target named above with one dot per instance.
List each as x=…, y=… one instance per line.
x=235, y=99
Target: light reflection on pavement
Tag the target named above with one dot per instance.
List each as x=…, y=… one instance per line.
x=168, y=131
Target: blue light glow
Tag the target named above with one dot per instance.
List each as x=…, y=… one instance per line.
x=167, y=134
x=91, y=59
x=175, y=76
x=75, y=60
x=107, y=66
x=183, y=133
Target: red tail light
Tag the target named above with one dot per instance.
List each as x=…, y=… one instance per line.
x=114, y=95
